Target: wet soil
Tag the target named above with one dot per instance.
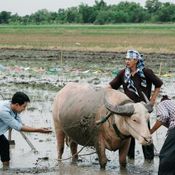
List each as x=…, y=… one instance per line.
x=40, y=74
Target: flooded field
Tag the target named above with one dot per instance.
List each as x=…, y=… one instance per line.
x=41, y=74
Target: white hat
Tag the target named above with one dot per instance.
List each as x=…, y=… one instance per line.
x=133, y=54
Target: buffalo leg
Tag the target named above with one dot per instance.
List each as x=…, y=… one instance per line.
x=73, y=147
x=100, y=148
x=60, y=136
x=123, y=151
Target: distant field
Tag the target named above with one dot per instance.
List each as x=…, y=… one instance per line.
x=159, y=38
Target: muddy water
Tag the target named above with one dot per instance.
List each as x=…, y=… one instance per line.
x=41, y=86
x=26, y=161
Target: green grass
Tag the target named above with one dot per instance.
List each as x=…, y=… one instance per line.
x=144, y=37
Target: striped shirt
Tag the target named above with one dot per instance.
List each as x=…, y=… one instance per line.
x=166, y=113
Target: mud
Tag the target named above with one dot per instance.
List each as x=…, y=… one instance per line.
x=40, y=74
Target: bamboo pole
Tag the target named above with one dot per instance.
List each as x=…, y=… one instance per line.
x=11, y=142
x=160, y=69
x=29, y=142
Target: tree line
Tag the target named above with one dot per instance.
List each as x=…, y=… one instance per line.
x=99, y=13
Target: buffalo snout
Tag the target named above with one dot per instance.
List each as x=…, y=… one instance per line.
x=146, y=140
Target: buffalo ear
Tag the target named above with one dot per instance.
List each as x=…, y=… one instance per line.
x=123, y=110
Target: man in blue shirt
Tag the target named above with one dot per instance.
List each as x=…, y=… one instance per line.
x=9, y=118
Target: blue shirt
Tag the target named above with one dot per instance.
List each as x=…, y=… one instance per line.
x=8, y=118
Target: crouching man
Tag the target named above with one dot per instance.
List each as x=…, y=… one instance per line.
x=9, y=118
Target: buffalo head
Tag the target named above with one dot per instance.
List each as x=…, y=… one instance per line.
x=131, y=119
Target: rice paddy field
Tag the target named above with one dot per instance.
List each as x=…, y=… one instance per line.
x=159, y=38
x=39, y=60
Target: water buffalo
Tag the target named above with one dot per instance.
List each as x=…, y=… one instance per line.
x=103, y=118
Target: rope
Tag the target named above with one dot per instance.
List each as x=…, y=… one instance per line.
x=83, y=146
x=81, y=155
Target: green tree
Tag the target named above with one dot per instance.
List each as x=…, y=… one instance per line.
x=132, y=11
x=166, y=13
x=15, y=19
x=72, y=15
x=88, y=14
x=5, y=17
x=153, y=6
x=61, y=16
x=53, y=17
x=100, y=5
x=41, y=16
x=121, y=17
x=99, y=13
x=105, y=17
x=25, y=20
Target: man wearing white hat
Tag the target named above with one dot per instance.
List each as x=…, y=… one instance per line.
x=135, y=79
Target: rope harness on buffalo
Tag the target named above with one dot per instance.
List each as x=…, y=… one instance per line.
x=98, y=124
x=117, y=131
x=119, y=134
x=111, y=110
x=88, y=141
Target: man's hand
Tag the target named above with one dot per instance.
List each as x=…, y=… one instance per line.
x=154, y=96
x=157, y=124
x=45, y=130
x=31, y=129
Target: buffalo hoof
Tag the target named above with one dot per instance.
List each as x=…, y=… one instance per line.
x=123, y=165
x=96, y=159
x=148, y=160
x=74, y=159
x=102, y=168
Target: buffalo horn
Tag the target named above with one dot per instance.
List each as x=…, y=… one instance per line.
x=148, y=105
x=124, y=110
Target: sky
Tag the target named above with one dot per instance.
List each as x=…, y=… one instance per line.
x=27, y=7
